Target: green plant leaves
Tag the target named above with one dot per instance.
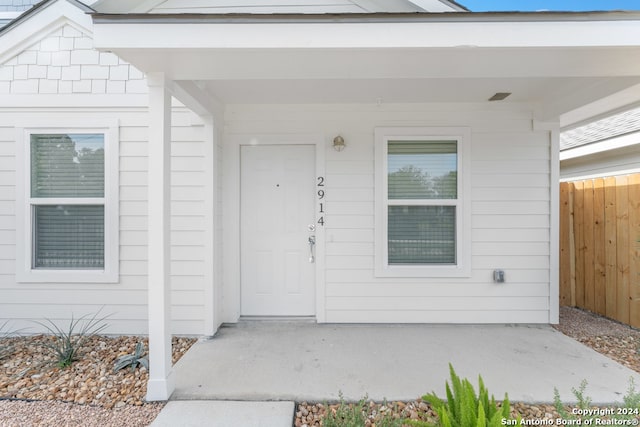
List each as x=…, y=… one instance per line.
x=132, y=360
x=67, y=343
x=465, y=408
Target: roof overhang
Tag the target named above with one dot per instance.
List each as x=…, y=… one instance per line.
x=146, y=6
x=554, y=60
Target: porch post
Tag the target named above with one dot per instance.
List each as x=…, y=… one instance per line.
x=161, y=381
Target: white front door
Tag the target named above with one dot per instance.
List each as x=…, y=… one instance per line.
x=277, y=207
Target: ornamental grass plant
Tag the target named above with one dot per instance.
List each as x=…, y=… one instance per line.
x=67, y=342
x=465, y=408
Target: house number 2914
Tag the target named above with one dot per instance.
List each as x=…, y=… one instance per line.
x=320, y=194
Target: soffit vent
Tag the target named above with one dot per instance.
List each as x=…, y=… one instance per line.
x=499, y=96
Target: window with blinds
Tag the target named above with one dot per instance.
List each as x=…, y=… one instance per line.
x=67, y=201
x=422, y=193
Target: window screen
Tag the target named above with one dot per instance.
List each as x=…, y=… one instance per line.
x=422, y=234
x=68, y=237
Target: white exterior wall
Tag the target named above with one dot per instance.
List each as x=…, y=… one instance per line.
x=127, y=299
x=61, y=79
x=510, y=202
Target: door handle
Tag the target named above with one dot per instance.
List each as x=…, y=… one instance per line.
x=312, y=243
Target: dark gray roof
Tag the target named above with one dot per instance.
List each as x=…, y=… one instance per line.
x=608, y=127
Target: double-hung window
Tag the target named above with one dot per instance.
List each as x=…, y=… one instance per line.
x=68, y=216
x=422, y=216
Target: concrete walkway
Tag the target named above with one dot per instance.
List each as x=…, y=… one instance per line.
x=288, y=361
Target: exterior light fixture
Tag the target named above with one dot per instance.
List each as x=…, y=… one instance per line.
x=338, y=143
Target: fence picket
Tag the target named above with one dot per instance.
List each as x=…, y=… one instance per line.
x=566, y=253
x=610, y=245
x=634, y=250
x=588, y=237
x=600, y=259
x=622, y=215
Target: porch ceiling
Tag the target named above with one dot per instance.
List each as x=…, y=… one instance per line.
x=554, y=81
x=556, y=65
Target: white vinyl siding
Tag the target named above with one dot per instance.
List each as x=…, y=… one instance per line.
x=509, y=205
x=126, y=298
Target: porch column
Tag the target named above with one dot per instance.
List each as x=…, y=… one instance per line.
x=161, y=382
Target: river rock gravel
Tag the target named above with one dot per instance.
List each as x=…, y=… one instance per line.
x=36, y=392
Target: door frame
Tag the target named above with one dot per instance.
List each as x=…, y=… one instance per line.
x=231, y=298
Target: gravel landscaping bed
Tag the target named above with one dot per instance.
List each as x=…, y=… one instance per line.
x=34, y=392
x=615, y=340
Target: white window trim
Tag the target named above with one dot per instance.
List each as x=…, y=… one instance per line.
x=462, y=268
x=24, y=271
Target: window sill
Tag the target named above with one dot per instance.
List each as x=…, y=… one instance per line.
x=67, y=276
x=423, y=271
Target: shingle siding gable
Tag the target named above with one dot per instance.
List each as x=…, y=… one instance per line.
x=65, y=62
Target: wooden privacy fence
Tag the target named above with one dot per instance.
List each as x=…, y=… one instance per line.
x=600, y=246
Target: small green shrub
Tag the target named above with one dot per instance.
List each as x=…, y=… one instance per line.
x=582, y=401
x=630, y=409
x=632, y=398
x=132, y=360
x=6, y=348
x=465, y=408
x=67, y=343
x=346, y=415
x=356, y=415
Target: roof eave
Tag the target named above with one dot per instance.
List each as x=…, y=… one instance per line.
x=39, y=6
x=380, y=17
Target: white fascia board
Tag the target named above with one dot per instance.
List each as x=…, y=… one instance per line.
x=181, y=34
x=435, y=6
x=9, y=15
x=117, y=6
x=41, y=23
x=616, y=143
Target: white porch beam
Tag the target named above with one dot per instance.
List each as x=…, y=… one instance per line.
x=571, y=99
x=602, y=106
x=197, y=99
x=161, y=381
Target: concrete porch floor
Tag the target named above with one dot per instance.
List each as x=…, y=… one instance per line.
x=294, y=361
